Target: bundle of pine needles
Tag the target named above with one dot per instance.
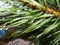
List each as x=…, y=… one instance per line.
x=34, y=19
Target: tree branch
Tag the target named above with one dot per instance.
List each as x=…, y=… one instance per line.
x=40, y=7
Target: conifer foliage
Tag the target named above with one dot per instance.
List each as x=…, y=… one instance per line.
x=37, y=20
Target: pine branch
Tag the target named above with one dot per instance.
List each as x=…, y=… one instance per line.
x=41, y=7
x=34, y=24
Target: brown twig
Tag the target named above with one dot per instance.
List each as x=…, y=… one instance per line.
x=40, y=7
